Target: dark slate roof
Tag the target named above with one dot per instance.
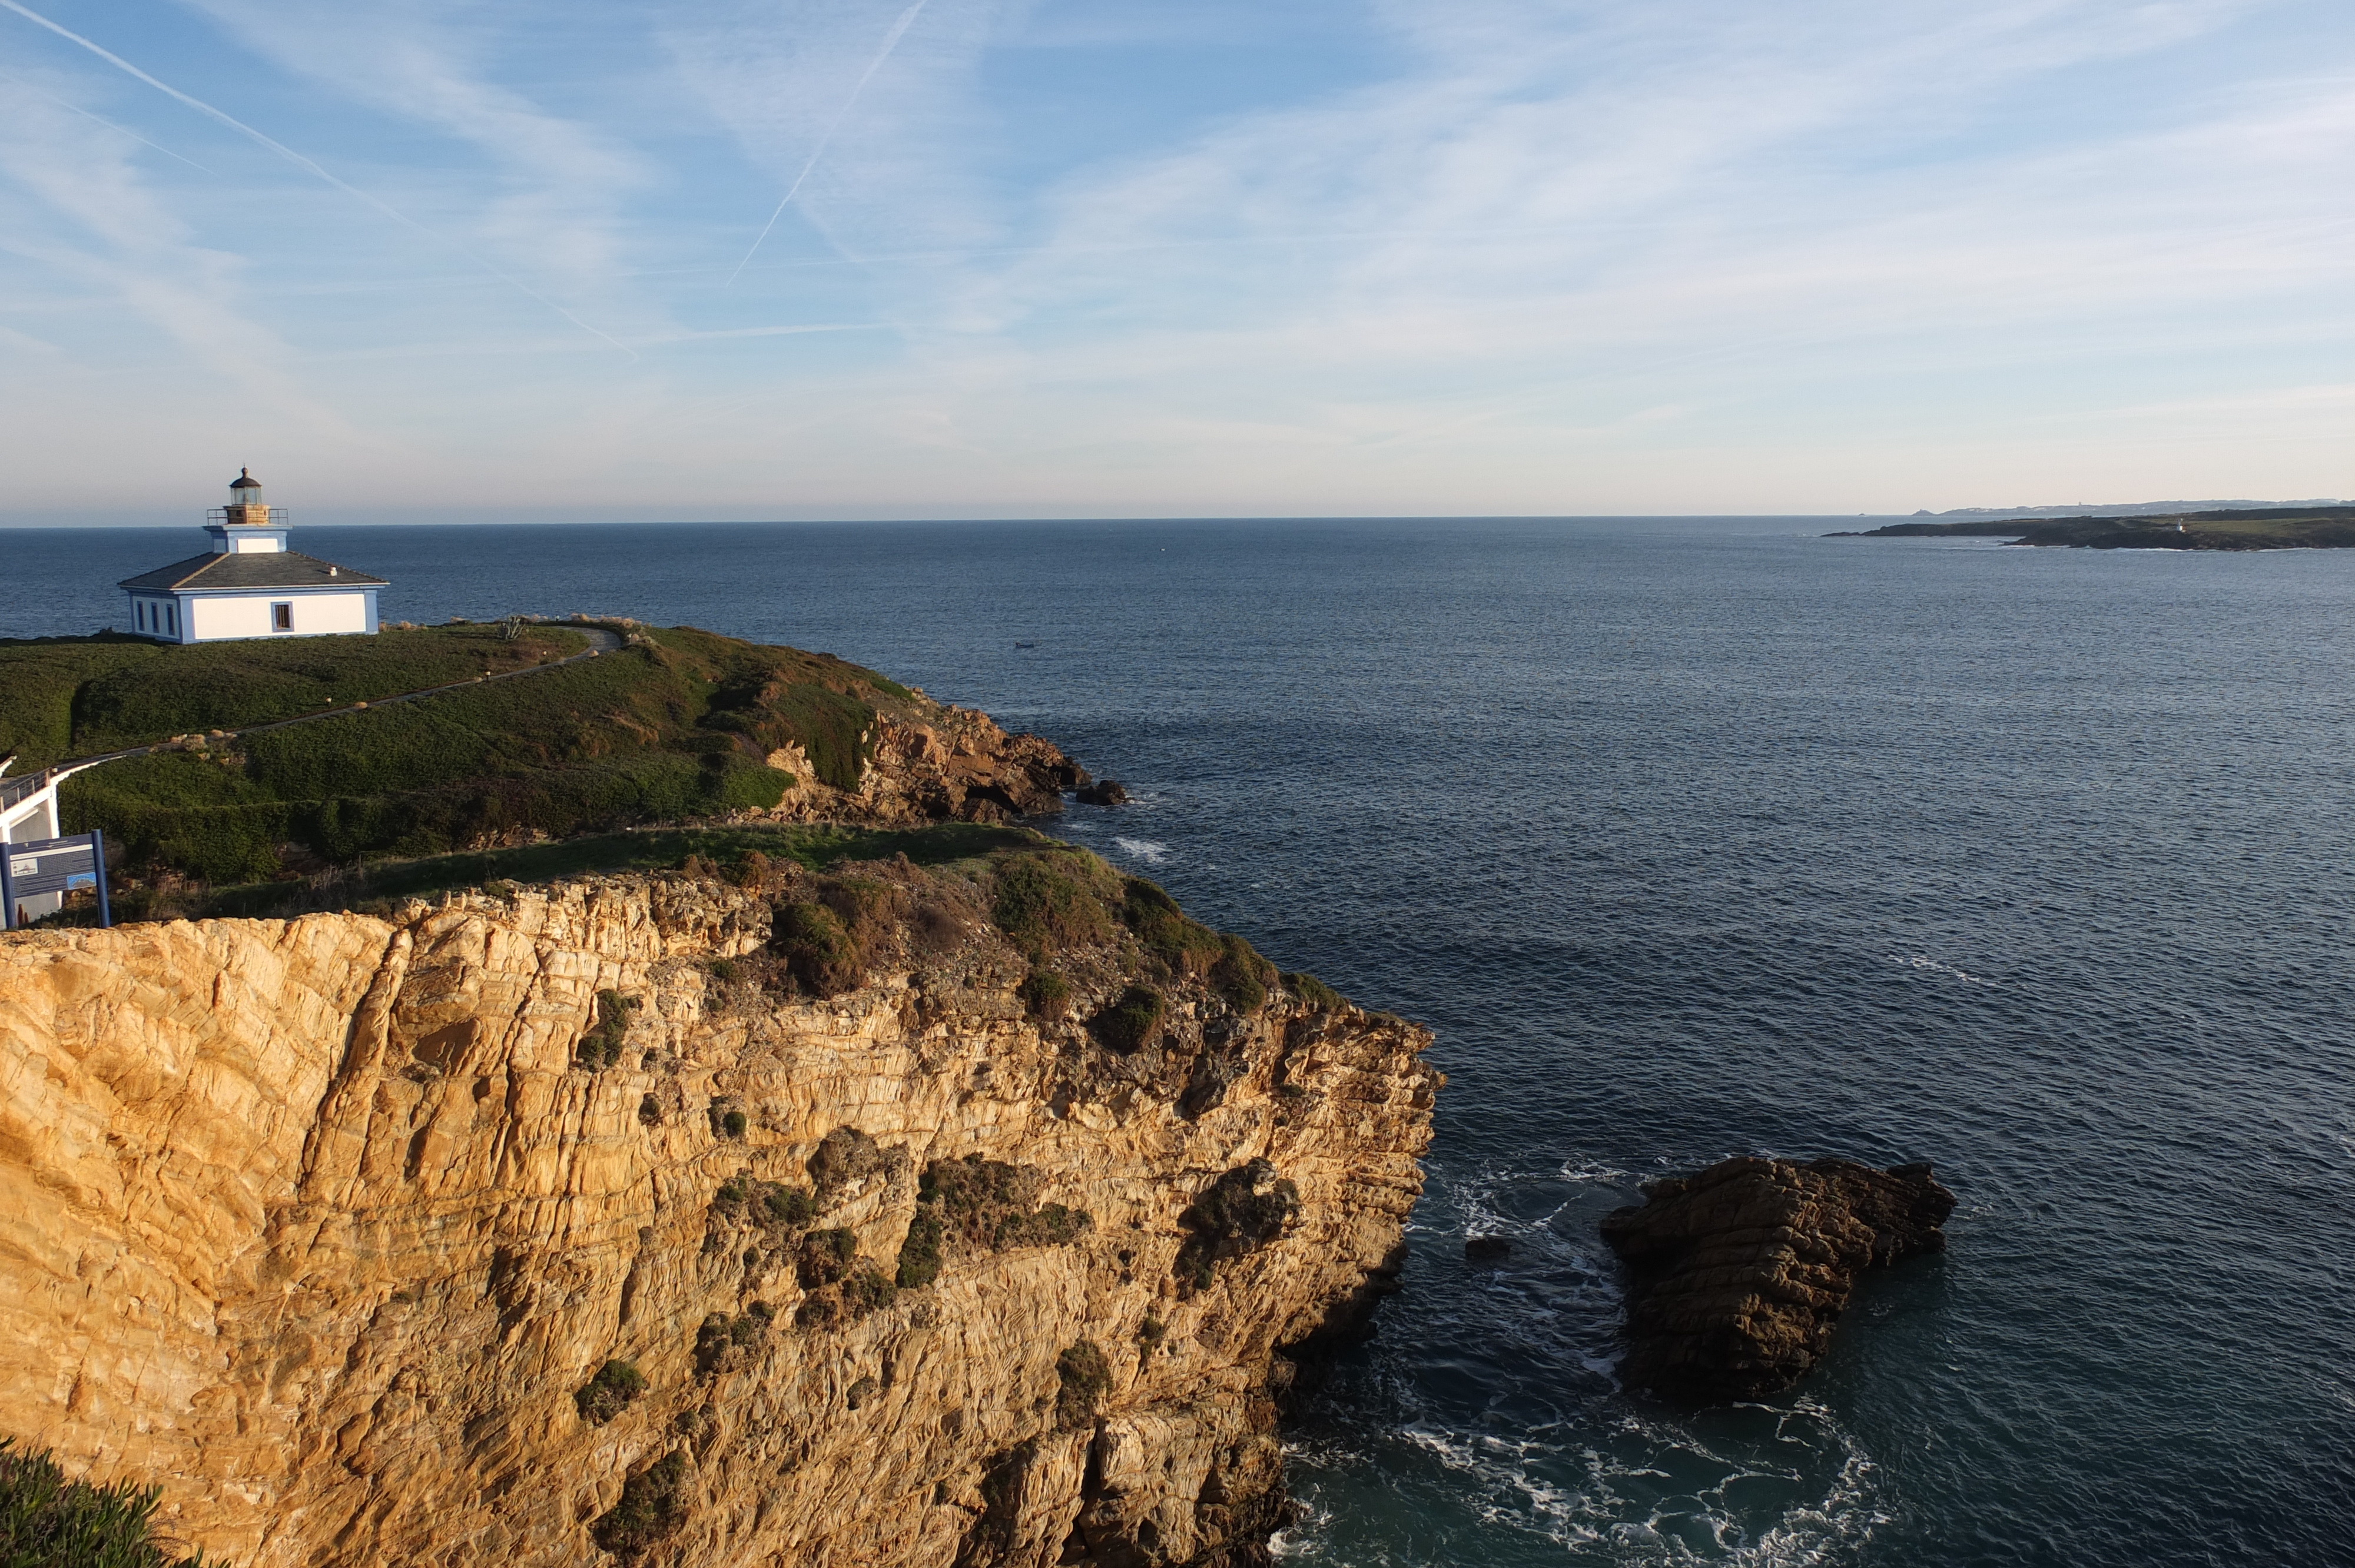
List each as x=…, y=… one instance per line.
x=262, y=569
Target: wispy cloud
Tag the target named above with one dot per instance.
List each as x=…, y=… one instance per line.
x=1346, y=255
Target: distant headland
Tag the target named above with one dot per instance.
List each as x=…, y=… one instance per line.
x=2300, y=527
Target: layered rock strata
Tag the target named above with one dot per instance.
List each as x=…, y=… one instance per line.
x=653, y=1220
x=951, y=764
x=1738, y=1275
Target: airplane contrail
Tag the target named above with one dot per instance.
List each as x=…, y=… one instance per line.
x=299, y=161
x=890, y=42
x=110, y=124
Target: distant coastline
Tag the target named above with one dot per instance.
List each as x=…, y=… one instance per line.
x=2133, y=508
x=2232, y=527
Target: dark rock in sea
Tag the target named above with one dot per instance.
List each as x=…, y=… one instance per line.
x=1486, y=1249
x=1738, y=1274
x=1103, y=792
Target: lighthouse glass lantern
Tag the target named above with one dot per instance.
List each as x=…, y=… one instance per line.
x=245, y=503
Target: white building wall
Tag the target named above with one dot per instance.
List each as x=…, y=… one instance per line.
x=214, y=618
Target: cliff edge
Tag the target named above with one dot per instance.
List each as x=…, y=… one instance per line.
x=967, y=1216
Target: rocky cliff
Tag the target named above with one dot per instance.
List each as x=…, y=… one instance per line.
x=969, y=1216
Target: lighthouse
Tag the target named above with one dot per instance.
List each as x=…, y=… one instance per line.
x=248, y=584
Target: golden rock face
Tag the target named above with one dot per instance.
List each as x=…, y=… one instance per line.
x=322, y=1226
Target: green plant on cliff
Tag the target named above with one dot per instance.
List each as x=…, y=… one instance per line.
x=817, y=947
x=1129, y=1024
x=1185, y=947
x=1082, y=1379
x=602, y=1045
x=49, y=1522
x=615, y=1387
x=1047, y=996
x=1313, y=991
x=652, y=1506
x=985, y=1205
x=920, y=1252
x=679, y=724
x=1051, y=899
x=1241, y=1212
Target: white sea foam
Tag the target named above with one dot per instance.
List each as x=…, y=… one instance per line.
x=1145, y=850
x=1932, y=966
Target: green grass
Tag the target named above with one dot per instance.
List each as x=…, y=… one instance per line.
x=49, y=1522
x=817, y=847
x=676, y=726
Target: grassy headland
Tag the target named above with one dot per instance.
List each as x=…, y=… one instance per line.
x=2267, y=528
x=674, y=726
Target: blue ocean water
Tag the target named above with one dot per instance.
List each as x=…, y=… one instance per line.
x=1693, y=837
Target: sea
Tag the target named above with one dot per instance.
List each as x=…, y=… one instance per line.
x=1691, y=838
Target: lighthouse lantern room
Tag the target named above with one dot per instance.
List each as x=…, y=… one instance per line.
x=248, y=584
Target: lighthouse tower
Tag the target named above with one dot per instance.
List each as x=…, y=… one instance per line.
x=248, y=584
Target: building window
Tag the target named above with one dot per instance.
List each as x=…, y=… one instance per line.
x=282, y=617
x=139, y=613
x=172, y=620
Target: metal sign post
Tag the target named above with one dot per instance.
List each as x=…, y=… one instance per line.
x=57, y=866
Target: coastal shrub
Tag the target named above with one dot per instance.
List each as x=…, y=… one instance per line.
x=1184, y=945
x=727, y=971
x=1050, y=899
x=868, y=1289
x=733, y=1122
x=766, y=1205
x=1239, y=1212
x=49, y=1522
x=1082, y=1379
x=1313, y=991
x=649, y=1111
x=602, y=1045
x=1240, y=977
x=615, y=1387
x=1129, y=1023
x=720, y=1336
x=1047, y=996
x=817, y=949
x=982, y=1205
x=742, y=786
x=920, y=1253
x=646, y=735
x=653, y=1506
x=825, y=1258
x=844, y=1155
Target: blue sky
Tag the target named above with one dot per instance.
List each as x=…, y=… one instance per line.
x=1077, y=258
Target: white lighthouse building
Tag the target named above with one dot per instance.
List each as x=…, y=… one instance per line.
x=250, y=584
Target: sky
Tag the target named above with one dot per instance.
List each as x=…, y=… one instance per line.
x=851, y=258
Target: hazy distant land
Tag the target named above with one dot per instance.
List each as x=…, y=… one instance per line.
x=2231, y=525
x=2131, y=508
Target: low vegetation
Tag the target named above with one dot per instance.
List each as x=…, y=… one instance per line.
x=678, y=724
x=728, y=850
x=981, y=1205
x=1133, y=1019
x=602, y=1045
x=49, y=1522
x=1236, y=1215
x=653, y=1506
x=720, y=1337
x=1082, y=1379
x=613, y=1390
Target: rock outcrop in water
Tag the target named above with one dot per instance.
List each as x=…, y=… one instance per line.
x=1737, y=1275
x=967, y=1217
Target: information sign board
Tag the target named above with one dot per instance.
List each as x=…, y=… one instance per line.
x=64, y=866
